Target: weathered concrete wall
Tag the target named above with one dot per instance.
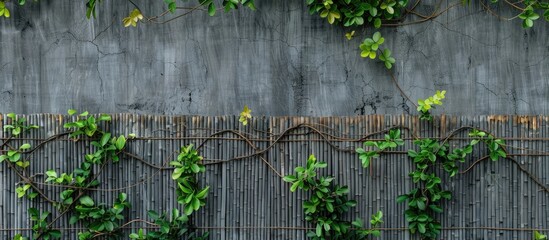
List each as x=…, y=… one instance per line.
x=278, y=60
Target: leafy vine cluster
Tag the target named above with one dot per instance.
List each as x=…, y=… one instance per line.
x=324, y=208
x=99, y=219
x=351, y=14
x=424, y=201
x=327, y=204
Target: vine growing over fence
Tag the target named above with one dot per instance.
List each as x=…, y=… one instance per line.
x=424, y=200
x=327, y=204
x=99, y=219
x=324, y=208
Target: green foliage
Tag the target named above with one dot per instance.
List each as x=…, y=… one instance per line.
x=423, y=201
x=327, y=204
x=387, y=59
x=375, y=221
x=245, y=115
x=107, y=148
x=133, y=18
x=539, y=236
x=14, y=155
x=530, y=10
x=354, y=13
x=169, y=229
x=3, y=10
x=210, y=4
x=357, y=12
x=19, y=236
x=528, y=16
x=22, y=191
x=370, y=45
x=99, y=218
x=139, y=235
x=18, y=125
x=392, y=140
x=425, y=105
x=90, y=8
x=40, y=226
x=187, y=166
x=85, y=124
x=102, y=221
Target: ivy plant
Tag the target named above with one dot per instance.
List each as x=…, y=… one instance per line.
x=327, y=204
x=355, y=13
x=99, y=218
x=18, y=125
x=187, y=165
x=539, y=236
x=245, y=115
x=40, y=227
x=133, y=18
x=392, y=140
x=4, y=12
x=425, y=105
x=424, y=201
x=84, y=124
x=172, y=228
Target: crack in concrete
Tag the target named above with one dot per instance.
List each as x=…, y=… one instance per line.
x=487, y=88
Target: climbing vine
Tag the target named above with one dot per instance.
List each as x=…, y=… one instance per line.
x=327, y=203
x=377, y=13
x=351, y=14
x=424, y=201
x=99, y=219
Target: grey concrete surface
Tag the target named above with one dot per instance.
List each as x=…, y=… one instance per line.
x=279, y=60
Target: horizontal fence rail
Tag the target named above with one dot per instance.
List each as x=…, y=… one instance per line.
x=506, y=199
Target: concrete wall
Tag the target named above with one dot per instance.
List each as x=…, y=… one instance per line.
x=279, y=60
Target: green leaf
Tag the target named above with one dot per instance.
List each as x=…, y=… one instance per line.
x=177, y=173
x=73, y=220
x=421, y=205
x=294, y=186
x=55, y=234
x=188, y=210
x=86, y=201
x=104, y=117
x=15, y=157
x=196, y=203
x=105, y=139
x=318, y=230
x=289, y=178
x=421, y=228
x=376, y=37
x=435, y=208
x=71, y=112
x=211, y=9
x=120, y=142
x=109, y=226
x=377, y=23
x=402, y=198
x=25, y=146
x=122, y=197
x=329, y=207
x=153, y=215
x=202, y=194
x=195, y=168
